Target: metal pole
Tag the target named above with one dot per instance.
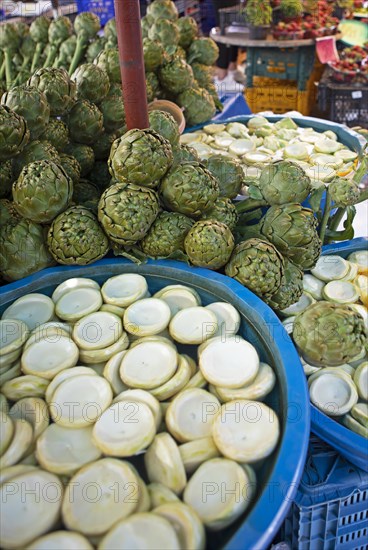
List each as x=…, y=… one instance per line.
x=128, y=25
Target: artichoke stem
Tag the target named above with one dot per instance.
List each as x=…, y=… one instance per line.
x=326, y=215
x=36, y=56
x=334, y=221
x=2, y=70
x=51, y=56
x=8, y=69
x=21, y=71
x=249, y=204
x=78, y=54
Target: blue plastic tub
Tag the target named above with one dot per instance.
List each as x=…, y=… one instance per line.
x=351, y=445
x=330, y=510
x=279, y=478
x=103, y=8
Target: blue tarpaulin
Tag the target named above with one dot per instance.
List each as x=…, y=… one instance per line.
x=234, y=105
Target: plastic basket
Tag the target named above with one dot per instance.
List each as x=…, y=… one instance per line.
x=352, y=446
x=278, y=96
x=280, y=476
x=330, y=511
x=103, y=8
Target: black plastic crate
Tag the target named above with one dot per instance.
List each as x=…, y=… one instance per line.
x=343, y=102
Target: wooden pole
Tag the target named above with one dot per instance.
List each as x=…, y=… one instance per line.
x=128, y=26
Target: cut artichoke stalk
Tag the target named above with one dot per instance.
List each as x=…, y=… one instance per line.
x=330, y=268
x=13, y=334
x=327, y=146
x=88, y=337
x=261, y=386
x=346, y=155
x=313, y=286
x=6, y=432
x=254, y=418
x=73, y=284
x=112, y=374
x=77, y=303
x=148, y=365
x=341, y=292
x=321, y=173
x=228, y=318
x=176, y=383
x=193, y=325
x=96, y=516
x=61, y=539
x=116, y=310
x=296, y=151
x=64, y=450
x=12, y=372
x=362, y=310
x=147, y=317
x=288, y=324
x=332, y=391
x=22, y=519
x=160, y=494
x=19, y=445
x=197, y=381
x=11, y=472
x=362, y=283
x=92, y=394
x=360, y=258
x=222, y=142
x=187, y=525
x=117, y=435
x=352, y=273
x=194, y=453
x=4, y=406
x=100, y=356
x=218, y=509
x=232, y=363
x=355, y=426
x=64, y=375
x=7, y=360
x=301, y=305
x=48, y=357
x=361, y=380
x=124, y=289
x=360, y=413
x=164, y=464
x=178, y=299
x=242, y=146
x=27, y=385
x=190, y=415
x=347, y=369
x=35, y=411
x=33, y=309
x=141, y=531
x=214, y=128
x=256, y=158
x=142, y=396
x=308, y=369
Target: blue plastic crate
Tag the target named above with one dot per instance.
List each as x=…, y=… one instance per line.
x=103, y=8
x=330, y=511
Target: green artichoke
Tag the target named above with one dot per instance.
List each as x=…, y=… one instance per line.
x=85, y=122
x=141, y=157
x=291, y=287
x=102, y=146
x=39, y=32
x=71, y=167
x=14, y=133
x=153, y=53
x=166, y=235
x=95, y=48
x=189, y=189
x=92, y=82
x=146, y=22
x=76, y=238
x=176, y=75
x=329, y=334
x=115, y=89
x=152, y=86
x=58, y=88
x=184, y=153
x=31, y=104
x=188, y=31
x=36, y=150
x=198, y=105
x=110, y=31
x=228, y=172
x=86, y=194
x=344, y=192
x=223, y=211
x=204, y=51
x=165, y=124
x=22, y=29
x=42, y=191
x=23, y=250
x=202, y=74
x=113, y=112
x=9, y=44
x=108, y=61
x=86, y=26
x=162, y=9
x=280, y=183
x=6, y=178
x=100, y=175
x=258, y=265
x=66, y=53
x=164, y=31
x=56, y=133
x=8, y=213
x=209, y=243
x=60, y=29
x=83, y=154
x=293, y=230
x=127, y=211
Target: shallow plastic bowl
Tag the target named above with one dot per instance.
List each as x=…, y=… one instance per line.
x=279, y=478
x=352, y=446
